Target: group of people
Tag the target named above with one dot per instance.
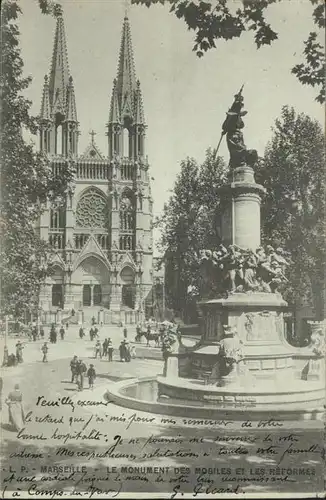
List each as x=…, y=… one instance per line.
x=54, y=335
x=104, y=349
x=35, y=334
x=14, y=359
x=126, y=351
x=79, y=371
x=93, y=332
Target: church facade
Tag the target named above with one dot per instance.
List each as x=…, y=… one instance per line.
x=102, y=237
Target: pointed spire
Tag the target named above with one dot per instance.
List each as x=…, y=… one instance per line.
x=59, y=74
x=126, y=79
x=45, y=106
x=139, y=112
x=114, y=116
x=71, y=103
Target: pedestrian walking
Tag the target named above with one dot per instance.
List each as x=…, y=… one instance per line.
x=105, y=347
x=53, y=334
x=125, y=332
x=138, y=333
x=122, y=351
x=81, y=332
x=93, y=321
x=73, y=368
x=81, y=370
x=110, y=349
x=95, y=332
x=15, y=407
x=45, y=349
x=62, y=333
x=19, y=352
x=91, y=333
x=34, y=333
x=42, y=332
x=91, y=374
x=127, y=351
x=98, y=349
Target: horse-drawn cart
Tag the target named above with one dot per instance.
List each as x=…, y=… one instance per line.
x=153, y=331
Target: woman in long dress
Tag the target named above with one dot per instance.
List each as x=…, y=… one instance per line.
x=16, y=411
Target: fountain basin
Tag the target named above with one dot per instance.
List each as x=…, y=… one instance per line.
x=144, y=395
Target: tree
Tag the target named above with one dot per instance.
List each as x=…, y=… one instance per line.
x=188, y=224
x=178, y=224
x=293, y=211
x=27, y=180
x=214, y=20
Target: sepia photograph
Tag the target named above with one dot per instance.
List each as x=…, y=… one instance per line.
x=162, y=249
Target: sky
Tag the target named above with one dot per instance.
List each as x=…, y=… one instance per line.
x=185, y=97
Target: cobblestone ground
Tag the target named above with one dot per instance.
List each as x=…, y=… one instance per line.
x=106, y=438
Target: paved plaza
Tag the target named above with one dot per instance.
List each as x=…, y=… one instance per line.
x=113, y=442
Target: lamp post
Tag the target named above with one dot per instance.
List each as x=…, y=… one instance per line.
x=163, y=298
x=5, y=349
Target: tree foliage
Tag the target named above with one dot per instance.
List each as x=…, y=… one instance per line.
x=189, y=223
x=27, y=180
x=218, y=19
x=50, y=7
x=293, y=211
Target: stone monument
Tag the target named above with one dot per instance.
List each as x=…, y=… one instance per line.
x=243, y=352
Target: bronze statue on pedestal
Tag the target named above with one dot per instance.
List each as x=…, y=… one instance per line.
x=232, y=127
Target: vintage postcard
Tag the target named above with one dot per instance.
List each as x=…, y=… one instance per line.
x=163, y=249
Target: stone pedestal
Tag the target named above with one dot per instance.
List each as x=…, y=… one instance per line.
x=171, y=366
x=258, y=320
x=240, y=221
x=176, y=360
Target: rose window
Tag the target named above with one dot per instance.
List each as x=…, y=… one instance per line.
x=91, y=210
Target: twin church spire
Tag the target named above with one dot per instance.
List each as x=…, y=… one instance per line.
x=58, y=117
x=126, y=99
x=126, y=126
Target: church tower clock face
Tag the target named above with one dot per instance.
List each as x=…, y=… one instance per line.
x=102, y=237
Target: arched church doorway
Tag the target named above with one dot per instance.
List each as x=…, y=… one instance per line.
x=94, y=278
x=128, y=293
x=92, y=295
x=57, y=295
x=128, y=296
x=97, y=295
x=86, y=295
